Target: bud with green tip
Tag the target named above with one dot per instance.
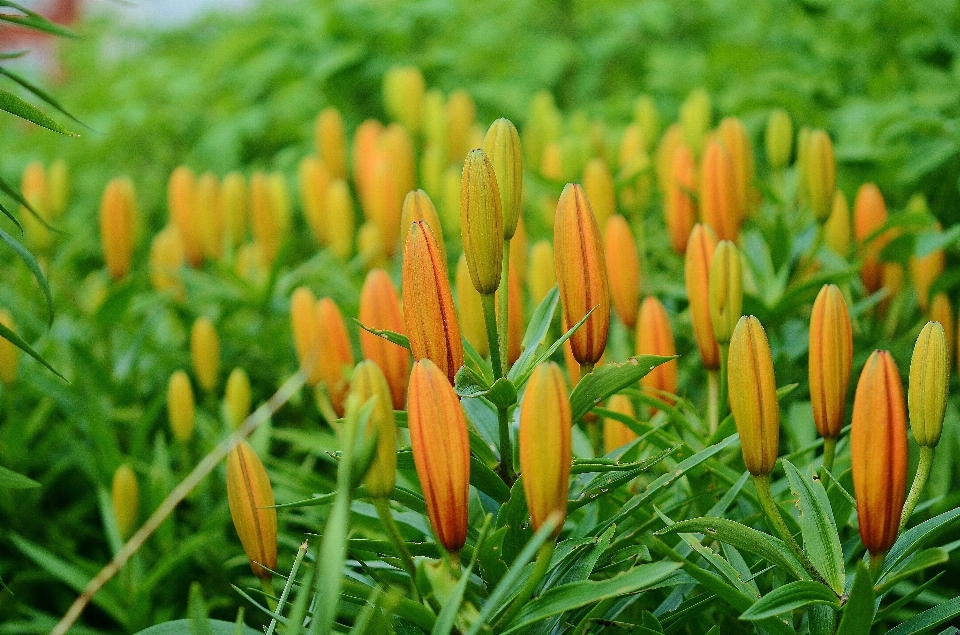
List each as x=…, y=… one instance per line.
x=779, y=138
x=502, y=146
x=126, y=500
x=481, y=222
x=726, y=290
x=929, y=385
x=369, y=382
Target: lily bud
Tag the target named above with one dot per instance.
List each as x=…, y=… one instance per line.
x=599, y=188
x=403, y=89
x=869, y=214
x=251, y=502
x=334, y=351
x=697, y=264
x=340, y=219
x=718, y=202
x=836, y=233
x=821, y=173
x=118, y=209
x=209, y=210
x=249, y=265
x=779, y=138
x=181, y=197
x=481, y=222
x=303, y=306
x=726, y=290
x=616, y=434
x=541, y=127
x=655, y=337
x=126, y=500
x=34, y=189
x=923, y=272
x=441, y=452
x=878, y=452
x=671, y=140
x=803, y=147
x=680, y=211
x=942, y=311
x=397, y=146
x=646, y=114
x=831, y=358
x=8, y=352
x=581, y=274
x=370, y=246
x=237, y=398
x=431, y=321
x=180, y=406
x=418, y=206
x=929, y=384
x=514, y=317
x=234, y=199
x=433, y=163
x=385, y=202
x=634, y=165
x=551, y=165
x=753, y=396
x=205, y=353
x=314, y=179
x=737, y=142
x=269, y=213
x=58, y=186
x=450, y=198
x=366, y=152
x=368, y=382
x=166, y=260
x=695, y=117
x=541, y=276
x=470, y=310
x=331, y=142
x=380, y=309
x=623, y=269
x=461, y=114
x=502, y=145
x=545, y=445
x=433, y=120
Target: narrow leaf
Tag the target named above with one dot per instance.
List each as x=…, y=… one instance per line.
x=929, y=619
x=14, y=480
x=17, y=341
x=390, y=336
x=536, y=331
x=608, y=379
x=39, y=92
x=34, y=268
x=916, y=537
x=820, y=538
x=17, y=106
x=789, y=597
x=860, y=606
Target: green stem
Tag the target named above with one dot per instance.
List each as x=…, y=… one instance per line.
x=722, y=403
x=268, y=593
x=876, y=565
x=383, y=511
x=772, y=512
x=811, y=256
x=301, y=552
x=585, y=369
x=829, y=451
x=493, y=340
x=540, y=570
x=504, y=308
x=713, y=400
x=453, y=559
x=506, y=448
x=919, y=480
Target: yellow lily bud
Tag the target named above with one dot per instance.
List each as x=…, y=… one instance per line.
x=869, y=214
x=646, y=114
x=680, y=210
x=166, y=260
x=368, y=382
x=126, y=500
x=942, y=311
x=366, y=152
x=303, y=306
x=542, y=276
x=441, y=452
x=251, y=502
x=718, y=200
x=551, y=165
x=205, y=353
x=380, y=309
x=433, y=120
x=545, y=445
x=403, y=89
x=340, y=219
x=334, y=352
x=33, y=187
x=726, y=290
x=836, y=232
x=234, y=199
x=598, y=186
x=433, y=164
x=331, y=142
x=209, y=210
x=737, y=142
x=250, y=265
x=502, y=145
x=803, y=147
x=385, y=203
x=623, y=269
x=695, y=117
x=267, y=223
x=923, y=272
x=616, y=434
x=418, y=206
x=671, y=140
x=470, y=309
x=929, y=384
x=8, y=352
x=481, y=222
x=697, y=265
x=831, y=358
x=180, y=406
x=655, y=337
x=314, y=179
x=396, y=145
x=821, y=173
x=370, y=246
x=181, y=198
x=58, y=185
x=237, y=397
x=581, y=274
x=878, y=452
x=431, y=321
x=461, y=113
x=779, y=138
x=753, y=396
x=450, y=199
x=118, y=209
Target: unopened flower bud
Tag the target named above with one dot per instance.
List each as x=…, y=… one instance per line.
x=541, y=276
x=924, y=270
x=181, y=198
x=669, y=142
x=166, y=260
x=237, y=398
x=735, y=139
x=368, y=382
x=235, y=202
x=502, y=145
x=251, y=502
x=340, y=219
x=655, y=337
x=646, y=114
x=334, y=351
x=718, y=198
x=205, y=353
x=433, y=120
x=929, y=384
x=366, y=152
x=209, y=210
x=418, y=206
x=869, y=215
x=836, y=232
x=9, y=353
x=726, y=290
x=831, y=359
x=118, y=225
x=313, y=179
x=680, y=210
x=699, y=257
x=599, y=188
x=303, y=305
x=615, y=433
x=34, y=189
x=470, y=309
x=623, y=269
x=753, y=396
x=180, y=406
x=695, y=117
x=779, y=138
x=126, y=500
x=403, y=89
x=396, y=144
x=551, y=165
x=481, y=222
x=370, y=246
x=941, y=310
x=269, y=213
x=380, y=309
x=331, y=142
x=461, y=113
x=820, y=170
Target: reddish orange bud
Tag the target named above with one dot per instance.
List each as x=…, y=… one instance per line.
x=623, y=269
x=878, y=451
x=680, y=211
x=581, y=274
x=334, y=351
x=831, y=359
x=737, y=142
x=418, y=206
x=655, y=337
x=923, y=272
x=331, y=142
x=181, y=197
x=251, y=502
x=820, y=170
x=616, y=434
x=541, y=277
x=753, y=395
x=869, y=214
x=118, y=211
x=700, y=248
x=380, y=309
x=441, y=452
x=942, y=311
x=545, y=445
x=429, y=314
x=303, y=308
x=718, y=197
x=598, y=186
x=205, y=353
x=166, y=260
x=314, y=180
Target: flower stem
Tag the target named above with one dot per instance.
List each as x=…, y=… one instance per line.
x=540, y=570
x=770, y=508
x=493, y=339
x=919, y=480
x=506, y=448
x=383, y=511
x=876, y=565
x=713, y=400
x=504, y=315
x=268, y=593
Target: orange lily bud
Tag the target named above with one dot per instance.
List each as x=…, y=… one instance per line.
x=821, y=173
x=205, y=353
x=126, y=500
x=385, y=202
x=929, y=384
x=58, y=186
x=380, y=309
x=518, y=250
x=340, y=219
x=366, y=141
x=616, y=434
x=431, y=321
x=700, y=249
x=470, y=310
x=680, y=211
x=237, y=398
x=545, y=444
x=623, y=269
x=403, y=89
x=396, y=145
x=441, y=452
x=831, y=358
x=654, y=337
x=923, y=272
x=234, y=199
x=368, y=382
x=334, y=352
x=718, y=202
x=303, y=307
x=180, y=406
x=646, y=114
x=737, y=142
x=836, y=232
x=251, y=502
x=331, y=142
x=461, y=114
x=542, y=276
x=942, y=311
x=118, y=209
x=166, y=259
x=869, y=214
x=269, y=213
x=581, y=274
x=502, y=145
x=8, y=352
x=671, y=140
x=779, y=138
x=481, y=222
x=209, y=211
x=514, y=318
x=726, y=290
x=878, y=451
x=314, y=179
x=418, y=206
x=181, y=197
x=695, y=117
x=598, y=186
x=753, y=396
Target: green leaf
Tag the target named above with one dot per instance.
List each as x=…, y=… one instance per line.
x=820, y=539
x=929, y=619
x=916, y=537
x=536, y=331
x=520, y=378
x=608, y=379
x=12, y=480
x=197, y=608
x=390, y=336
x=467, y=383
x=611, y=480
x=567, y=597
x=32, y=20
x=34, y=268
x=183, y=627
x=922, y=561
x=448, y=614
x=789, y=597
x=42, y=94
x=17, y=106
x=860, y=606
x=9, y=214
x=488, y=482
